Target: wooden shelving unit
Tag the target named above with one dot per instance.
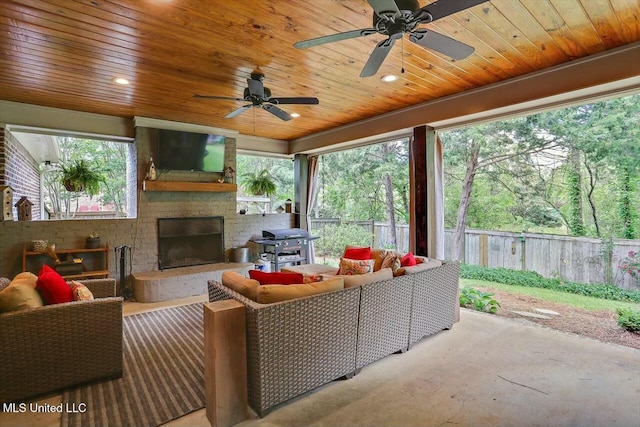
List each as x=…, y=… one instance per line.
x=212, y=187
x=95, y=262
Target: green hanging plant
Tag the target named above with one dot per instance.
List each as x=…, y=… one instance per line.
x=78, y=176
x=259, y=184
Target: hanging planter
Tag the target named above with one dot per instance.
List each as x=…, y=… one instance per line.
x=78, y=176
x=259, y=184
x=70, y=186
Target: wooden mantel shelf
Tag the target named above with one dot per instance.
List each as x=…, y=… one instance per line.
x=188, y=186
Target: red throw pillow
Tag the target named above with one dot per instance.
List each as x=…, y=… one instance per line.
x=408, y=260
x=276, y=277
x=53, y=287
x=357, y=253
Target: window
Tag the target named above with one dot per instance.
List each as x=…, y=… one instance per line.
x=34, y=169
x=279, y=170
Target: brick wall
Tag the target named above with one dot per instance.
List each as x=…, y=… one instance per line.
x=3, y=156
x=140, y=233
x=22, y=174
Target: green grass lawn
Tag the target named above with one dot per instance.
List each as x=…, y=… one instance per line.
x=581, y=301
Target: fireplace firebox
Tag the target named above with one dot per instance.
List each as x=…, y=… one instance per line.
x=190, y=241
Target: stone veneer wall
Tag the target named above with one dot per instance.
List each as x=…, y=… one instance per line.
x=140, y=233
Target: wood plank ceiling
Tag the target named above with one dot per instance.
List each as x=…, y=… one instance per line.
x=64, y=53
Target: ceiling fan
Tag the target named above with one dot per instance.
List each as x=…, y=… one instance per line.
x=260, y=97
x=397, y=18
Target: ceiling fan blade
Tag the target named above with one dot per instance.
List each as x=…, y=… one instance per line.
x=441, y=43
x=441, y=8
x=277, y=112
x=334, y=38
x=384, y=7
x=256, y=87
x=377, y=57
x=297, y=100
x=238, y=111
x=217, y=97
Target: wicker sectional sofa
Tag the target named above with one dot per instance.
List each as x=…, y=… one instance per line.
x=297, y=345
x=47, y=348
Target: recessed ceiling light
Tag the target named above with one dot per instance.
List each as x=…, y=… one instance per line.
x=294, y=115
x=389, y=78
x=121, y=81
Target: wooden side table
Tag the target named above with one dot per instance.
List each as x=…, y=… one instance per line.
x=225, y=363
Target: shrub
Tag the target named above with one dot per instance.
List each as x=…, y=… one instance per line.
x=478, y=300
x=334, y=238
x=533, y=279
x=631, y=265
x=629, y=319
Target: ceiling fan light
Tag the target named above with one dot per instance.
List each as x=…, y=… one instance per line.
x=389, y=78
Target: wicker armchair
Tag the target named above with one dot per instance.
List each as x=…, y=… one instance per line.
x=48, y=348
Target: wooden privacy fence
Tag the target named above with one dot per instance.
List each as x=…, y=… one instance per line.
x=576, y=259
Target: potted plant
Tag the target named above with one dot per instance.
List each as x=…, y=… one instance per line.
x=78, y=176
x=93, y=241
x=259, y=183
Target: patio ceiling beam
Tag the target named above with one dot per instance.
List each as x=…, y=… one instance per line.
x=615, y=71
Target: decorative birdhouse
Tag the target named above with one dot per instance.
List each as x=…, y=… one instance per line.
x=24, y=209
x=229, y=174
x=7, y=199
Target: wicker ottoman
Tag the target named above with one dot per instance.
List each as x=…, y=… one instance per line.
x=310, y=269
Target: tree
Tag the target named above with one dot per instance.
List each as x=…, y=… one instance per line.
x=582, y=170
x=605, y=137
x=366, y=183
x=385, y=151
x=574, y=185
x=482, y=149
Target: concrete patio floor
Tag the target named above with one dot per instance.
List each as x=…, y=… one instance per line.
x=486, y=371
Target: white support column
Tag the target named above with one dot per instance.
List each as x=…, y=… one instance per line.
x=435, y=196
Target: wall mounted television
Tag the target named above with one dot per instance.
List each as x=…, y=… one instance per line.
x=190, y=151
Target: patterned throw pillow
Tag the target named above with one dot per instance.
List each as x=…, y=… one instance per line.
x=355, y=252
x=356, y=266
x=392, y=261
x=80, y=291
x=312, y=278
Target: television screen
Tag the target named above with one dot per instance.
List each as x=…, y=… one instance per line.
x=191, y=151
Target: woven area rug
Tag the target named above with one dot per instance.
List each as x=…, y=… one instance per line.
x=163, y=373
